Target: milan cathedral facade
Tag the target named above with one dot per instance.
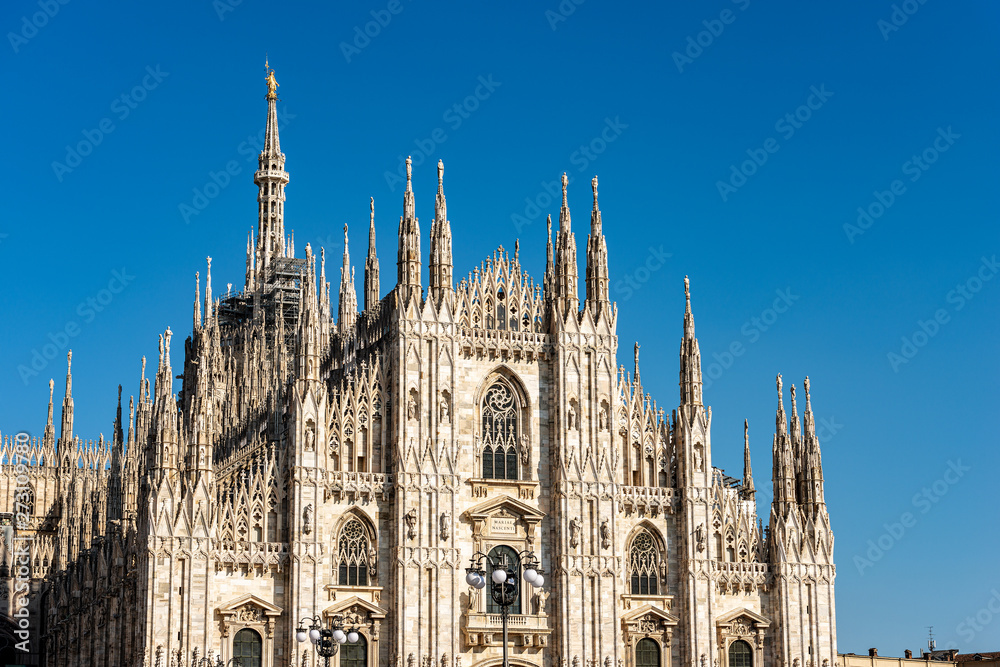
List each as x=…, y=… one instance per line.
x=348, y=465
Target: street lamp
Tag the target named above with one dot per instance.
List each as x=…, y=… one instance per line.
x=505, y=584
x=326, y=640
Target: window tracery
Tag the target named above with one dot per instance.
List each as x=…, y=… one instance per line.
x=500, y=433
x=643, y=563
x=355, y=555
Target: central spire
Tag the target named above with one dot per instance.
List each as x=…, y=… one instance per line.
x=270, y=179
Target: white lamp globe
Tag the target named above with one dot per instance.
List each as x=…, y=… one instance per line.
x=314, y=635
x=539, y=581
x=301, y=636
x=529, y=575
x=499, y=575
x=480, y=582
x=471, y=578
x=339, y=636
x=352, y=636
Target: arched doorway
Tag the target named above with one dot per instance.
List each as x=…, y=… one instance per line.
x=647, y=653
x=356, y=654
x=740, y=654
x=247, y=647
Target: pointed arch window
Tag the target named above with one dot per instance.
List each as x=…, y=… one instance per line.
x=355, y=555
x=643, y=565
x=500, y=432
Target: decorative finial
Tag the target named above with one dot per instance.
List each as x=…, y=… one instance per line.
x=517, y=248
x=548, y=224
x=409, y=172
x=440, y=176
x=345, y=237
x=373, y=211
x=778, y=382
x=565, y=182
x=746, y=433
x=593, y=184
x=805, y=384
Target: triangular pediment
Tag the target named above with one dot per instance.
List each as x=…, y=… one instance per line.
x=727, y=619
x=373, y=610
x=651, y=610
x=512, y=505
x=233, y=605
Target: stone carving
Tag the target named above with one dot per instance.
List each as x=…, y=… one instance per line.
x=525, y=448
x=445, y=416
x=571, y=417
x=249, y=614
x=574, y=532
x=307, y=515
x=445, y=525
x=605, y=535
x=699, y=534
x=411, y=408
x=310, y=437
x=602, y=419
x=411, y=524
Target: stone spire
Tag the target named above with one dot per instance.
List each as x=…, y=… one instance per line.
x=371, y=265
x=348, y=304
x=597, y=260
x=748, y=489
x=783, y=473
x=66, y=434
x=408, y=256
x=197, y=301
x=270, y=179
x=690, y=373
x=50, y=430
x=440, y=267
x=813, y=463
x=550, y=269
x=566, y=271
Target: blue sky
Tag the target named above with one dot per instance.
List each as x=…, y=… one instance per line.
x=735, y=143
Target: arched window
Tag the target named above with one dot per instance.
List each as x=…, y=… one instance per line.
x=643, y=559
x=500, y=433
x=740, y=654
x=246, y=647
x=506, y=555
x=354, y=555
x=356, y=654
x=647, y=653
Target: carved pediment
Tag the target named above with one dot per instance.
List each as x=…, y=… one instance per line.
x=749, y=619
x=355, y=605
x=250, y=604
x=650, y=612
x=505, y=503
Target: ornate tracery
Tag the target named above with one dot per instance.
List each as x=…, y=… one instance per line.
x=356, y=564
x=643, y=561
x=500, y=432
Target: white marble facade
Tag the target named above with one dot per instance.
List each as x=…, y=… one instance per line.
x=352, y=464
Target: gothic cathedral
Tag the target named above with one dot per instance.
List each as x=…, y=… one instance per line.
x=349, y=469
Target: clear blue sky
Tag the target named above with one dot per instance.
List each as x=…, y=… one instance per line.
x=880, y=97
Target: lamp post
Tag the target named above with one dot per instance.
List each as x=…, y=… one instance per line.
x=326, y=641
x=505, y=581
